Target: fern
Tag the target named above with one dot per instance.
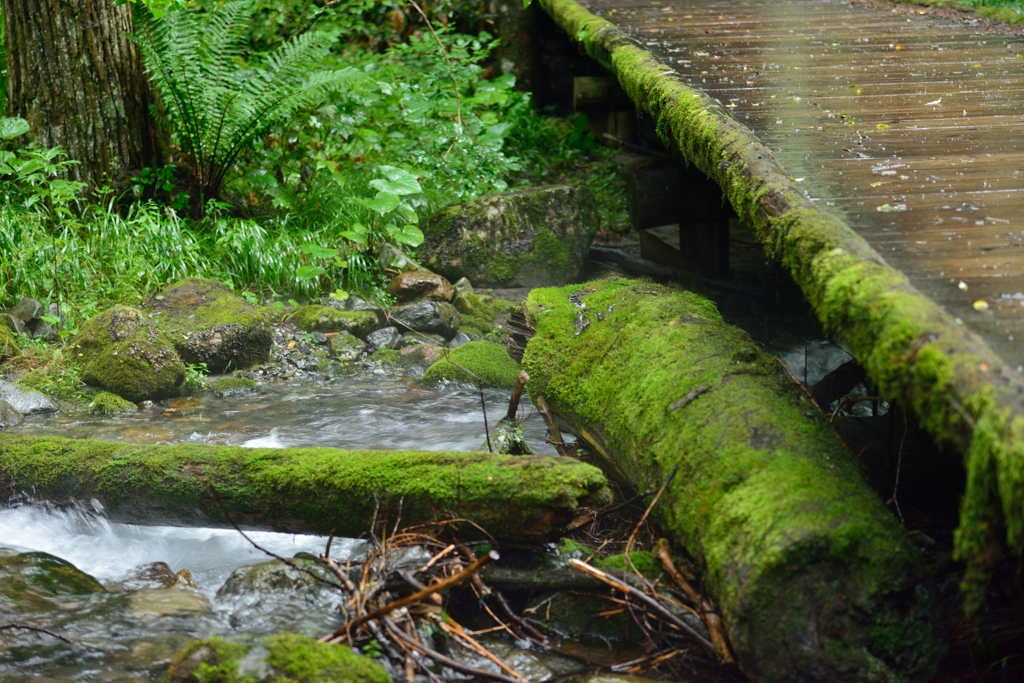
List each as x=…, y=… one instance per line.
x=214, y=103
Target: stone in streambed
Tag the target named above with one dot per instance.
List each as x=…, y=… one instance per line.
x=386, y=338
x=421, y=284
x=26, y=401
x=487, y=360
x=354, y=303
x=526, y=238
x=106, y=403
x=24, y=576
x=208, y=323
x=122, y=351
x=316, y=318
x=428, y=316
x=9, y=416
x=420, y=354
x=346, y=347
x=234, y=386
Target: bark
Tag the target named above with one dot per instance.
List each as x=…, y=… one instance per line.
x=813, y=577
x=312, y=490
x=78, y=80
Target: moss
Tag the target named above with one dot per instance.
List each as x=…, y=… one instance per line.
x=316, y=318
x=233, y=386
x=303, y=659
x=386, y=356
x=293, y=489
x=479, y=312
x=106, y=403
x=213, y=660
x=641, y=560
x=913, y=351
x=9, y=347
x=208, y=323
x=1004, y=14
x=765, y=498
x=571, y=548
x=121, y=351
x=490, y=363
x=23, y=576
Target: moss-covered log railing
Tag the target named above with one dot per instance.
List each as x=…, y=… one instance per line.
x=965, y=396
x=814, y=578
x=313, y=490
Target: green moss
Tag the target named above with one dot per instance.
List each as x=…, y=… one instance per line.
x=490, y=363
x=765, y=498
x=315, y=489
x=571, y=548
x=914, y=352
x=233, y=386
x=479, y=312
x=208, y=323
x=8, y=343
x=642, y=560
x=316, y=318
x=106, y=403
x=386, y=356
x=213, y=660
x=121, y=351
x=24, y=576
x=303, y=659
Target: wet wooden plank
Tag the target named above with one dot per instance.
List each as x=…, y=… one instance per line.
x=907, y=126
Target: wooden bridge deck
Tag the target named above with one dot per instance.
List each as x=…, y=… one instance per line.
x=908, y=126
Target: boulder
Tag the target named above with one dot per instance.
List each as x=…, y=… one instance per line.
x=526, y=238
x=24, y=576
x=15, y=324
x=420, y=354
x=354, y=303
x=26, y=401
x=346, y=347
x=27, y=310
x=316, y=318
x=122, y=351
x=458, y=340
x=208, y=323
x=234, y=386
x=42, y=329
x=386, y=338
x=421, y=284
x=106, y=403
x=487, y=360
x=9, y=416
x=428, y=316
x=394, y=260
x=479, y=311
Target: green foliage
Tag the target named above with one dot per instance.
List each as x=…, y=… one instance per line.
x=195, y=377
x=33, y=176
x=215, y=104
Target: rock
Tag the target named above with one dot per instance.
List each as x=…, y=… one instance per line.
x=25, y=574
x=423, y=338
x=14, y=324
x=526, y=238
x=354, y=303
x=259, y=580
x=421, y=354
x=280, y=658
x=165, y=601
x=8, y=343
x=487, y=360
x=234, y=386
x=427, y=316
x=421, y=284
x=385, y=356
x=208, y=323
x=346, y=347
x=327, y=319
x=106, y=403
x=458, y=340
x=463, y=285
x=9, y=416
x=147, y=577
x=27, y=310
x=122, y=351
x=386, y=338
x=41, y=329
x=26, y=401
x=393, y=259
x=479, y=312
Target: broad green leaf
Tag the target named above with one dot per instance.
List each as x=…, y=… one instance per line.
x=12, y=126
x=316, y=251
x=383, y=203
x=410, y=236
x=396, y=181
x=309, y=272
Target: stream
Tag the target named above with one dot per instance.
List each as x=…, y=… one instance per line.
x=128, y=626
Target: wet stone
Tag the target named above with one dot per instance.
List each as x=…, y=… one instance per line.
x=165, y=601
x=346, y=347
x=421, y=284
x=27, y=310
x=354, y=303
x=9, y=416
x=458, y=340
x=428, y=316
x=386, y=338
x=26, y=401
x=16, y=324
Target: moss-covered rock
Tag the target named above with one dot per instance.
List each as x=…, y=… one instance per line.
x=346, y=347
x=123, y=352
x=316, y=318
x=234, y=386
x=766, y=498
x=480, y=312
x=281, y=658
x=8, y=343
x=208, y=323
x=526, y=238
x=106, y=403
x=487, y=360
x=24, y=576
x=385, y=356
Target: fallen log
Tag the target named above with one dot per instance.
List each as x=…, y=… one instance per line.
x=313, y=490
x=813, y=577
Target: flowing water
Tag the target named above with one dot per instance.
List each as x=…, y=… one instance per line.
x=128, y=629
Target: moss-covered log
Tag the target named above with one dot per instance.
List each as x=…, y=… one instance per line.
x=302, y=489
x=960, y=391
x=814, y=578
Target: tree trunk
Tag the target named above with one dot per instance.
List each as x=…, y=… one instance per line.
x=814, y=578
x=78, y=80
x=523, y=498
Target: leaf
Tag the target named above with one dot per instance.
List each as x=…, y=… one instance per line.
x=383, y=203
x=398, y=181
x=12, y=126
x=410, y=236
x=309, y=272
x=339, y=295
x=316, y=251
